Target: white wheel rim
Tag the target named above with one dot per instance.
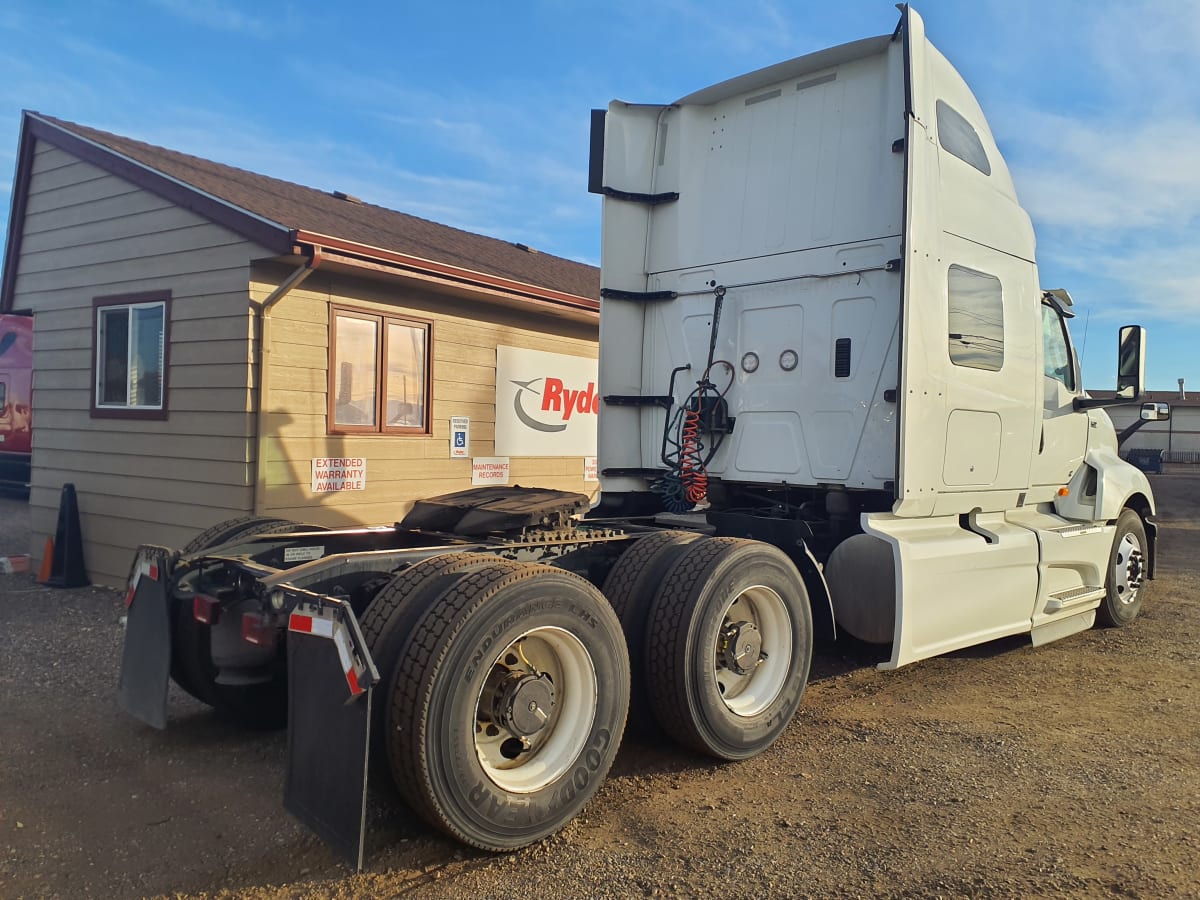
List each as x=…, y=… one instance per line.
x=750, y=693
x=549, y=752
x=1128, y=565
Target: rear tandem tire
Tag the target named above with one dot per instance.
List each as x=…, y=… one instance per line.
x=508, y=709
x=388, y=623
x=630, y=588
x=224, y=532
x=259, y=706
x=728, y=647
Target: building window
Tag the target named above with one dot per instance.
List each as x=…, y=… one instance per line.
x=379, y=373
x=959, y=138
x=975, y=319
x=131, y=338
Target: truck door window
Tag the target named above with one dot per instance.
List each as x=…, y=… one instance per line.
x=975, y=319
x=1056, y=351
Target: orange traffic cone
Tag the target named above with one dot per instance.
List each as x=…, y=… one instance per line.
x=47, y=568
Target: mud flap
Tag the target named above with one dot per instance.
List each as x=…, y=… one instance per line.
x=146, y=657
x=329, y=726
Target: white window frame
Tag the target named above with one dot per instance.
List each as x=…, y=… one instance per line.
x=130, y=303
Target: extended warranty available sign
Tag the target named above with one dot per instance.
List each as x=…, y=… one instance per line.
x=553, y=399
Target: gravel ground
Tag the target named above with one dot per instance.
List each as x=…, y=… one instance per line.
x=1002, y=771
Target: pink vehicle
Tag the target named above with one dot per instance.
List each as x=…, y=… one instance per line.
x=16, y=394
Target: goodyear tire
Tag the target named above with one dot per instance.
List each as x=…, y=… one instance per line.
x=630, y=588
x=262, y=705
x=1124, y=584
x=728, y=648
x=508, y=709
x=388, y=622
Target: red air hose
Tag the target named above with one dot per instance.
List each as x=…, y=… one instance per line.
x=691, y=464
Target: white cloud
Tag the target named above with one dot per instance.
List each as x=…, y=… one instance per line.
x=218, y=16
x=1111, y=173
x=1105, y=161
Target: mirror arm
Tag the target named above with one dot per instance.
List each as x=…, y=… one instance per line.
x=1127, y=433
x=1080, y=403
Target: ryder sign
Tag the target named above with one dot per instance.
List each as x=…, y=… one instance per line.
x=546, y=404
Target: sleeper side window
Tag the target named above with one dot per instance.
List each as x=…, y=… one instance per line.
x=975, y=319
x=959, y=138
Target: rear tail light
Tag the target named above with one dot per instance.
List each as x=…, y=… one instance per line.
x=206, y=609
x=257, y=630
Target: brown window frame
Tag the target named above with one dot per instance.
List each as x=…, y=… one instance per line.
x=382, y=320
x=99, y=411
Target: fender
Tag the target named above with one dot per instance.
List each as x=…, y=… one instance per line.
x=1118, y=485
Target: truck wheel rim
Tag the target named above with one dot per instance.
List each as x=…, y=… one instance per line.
x=1128, y=569
x=513, y=755
x=749, y=686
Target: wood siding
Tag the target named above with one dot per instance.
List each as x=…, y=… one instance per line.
x=400, y=468
x=86, y=234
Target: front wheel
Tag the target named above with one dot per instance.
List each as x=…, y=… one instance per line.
x=1126, y=572
x=508, y=710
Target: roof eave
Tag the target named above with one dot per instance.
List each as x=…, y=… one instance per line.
x=258, y=229
x=348, y=250
x=16, y=214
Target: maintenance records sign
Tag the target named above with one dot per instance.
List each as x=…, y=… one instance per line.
x=339, y=473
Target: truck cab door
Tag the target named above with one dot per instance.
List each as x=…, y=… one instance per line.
x=1064, y=432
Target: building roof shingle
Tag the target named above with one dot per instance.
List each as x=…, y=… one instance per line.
x=297, y=208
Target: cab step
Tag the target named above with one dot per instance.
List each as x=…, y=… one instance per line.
x=1074, y=597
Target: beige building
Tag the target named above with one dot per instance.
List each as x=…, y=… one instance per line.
x=170, y=293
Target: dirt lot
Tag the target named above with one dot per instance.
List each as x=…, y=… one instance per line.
x=1004, y=771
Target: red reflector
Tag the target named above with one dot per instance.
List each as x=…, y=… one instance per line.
x=206, y=609
x=300, y=623
x=352, y=680
x=153, y=572
x=256, y=631
x=129, y=596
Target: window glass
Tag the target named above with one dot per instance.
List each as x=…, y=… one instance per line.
x=976, y=319
x=379, y=373
x=405, y=376
x=113, y=355
x=356, y=353
x=959, y=138
x=146, y=357
x=1056, y=352
x=130, y=347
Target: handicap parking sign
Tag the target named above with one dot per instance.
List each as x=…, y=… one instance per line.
x=460, y=436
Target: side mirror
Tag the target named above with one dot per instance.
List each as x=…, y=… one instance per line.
x=1131, y=362
x=1156, y=412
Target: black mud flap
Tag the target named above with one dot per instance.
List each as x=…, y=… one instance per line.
x=329, y=726
x=146, y=657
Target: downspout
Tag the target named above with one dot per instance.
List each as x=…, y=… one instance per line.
x=294, y=280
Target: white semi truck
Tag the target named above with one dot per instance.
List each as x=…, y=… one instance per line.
x=835, y=398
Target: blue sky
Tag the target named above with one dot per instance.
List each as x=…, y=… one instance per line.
x=475, y=114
